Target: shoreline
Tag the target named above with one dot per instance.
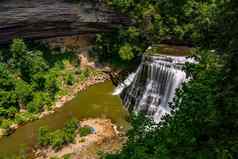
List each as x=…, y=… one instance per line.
x=106, y=138
x=72, y=91
x=78, y=87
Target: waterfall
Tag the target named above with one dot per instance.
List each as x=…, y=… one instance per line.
x=152, y=87
x=124, y=84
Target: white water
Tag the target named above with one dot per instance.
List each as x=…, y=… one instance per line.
x=153, y=86
x=118, y=90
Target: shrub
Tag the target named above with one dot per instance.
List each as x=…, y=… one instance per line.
x=5, y=124
x=70, y=79
x=40, y=99
x=32, y=108
x=59, y=137
x=43, y=136
x=71, y=126
x=84, y=131
x=126, y=52
x=11, y=112
x=24, y=117
x=52, y=84
x=84, y=74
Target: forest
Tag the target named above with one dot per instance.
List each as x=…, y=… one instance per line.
x=204, y=120
x=32, y=78
x=203, y=123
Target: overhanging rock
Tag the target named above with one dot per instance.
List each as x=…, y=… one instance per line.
x=37, y=19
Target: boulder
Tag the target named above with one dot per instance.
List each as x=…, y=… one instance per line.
x=3, y=132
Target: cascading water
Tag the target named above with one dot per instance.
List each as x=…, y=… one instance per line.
x=124, y=84
x=152, y=87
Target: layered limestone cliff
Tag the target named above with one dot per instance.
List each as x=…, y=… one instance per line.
x=37, y=19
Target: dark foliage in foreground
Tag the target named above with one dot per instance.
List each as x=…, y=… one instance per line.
x=204, y=121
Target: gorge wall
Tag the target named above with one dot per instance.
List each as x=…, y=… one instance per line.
x=40, y=19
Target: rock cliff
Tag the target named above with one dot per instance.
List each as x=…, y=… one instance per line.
x=37, y=19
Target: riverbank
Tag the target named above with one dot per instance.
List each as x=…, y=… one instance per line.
x=72, y=91
x=105, y=138
x=97, y=76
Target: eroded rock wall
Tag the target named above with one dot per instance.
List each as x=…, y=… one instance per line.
x=37, y=19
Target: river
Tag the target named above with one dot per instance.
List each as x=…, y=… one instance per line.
x=96, y=101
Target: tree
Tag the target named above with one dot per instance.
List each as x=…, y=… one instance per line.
x=43, y=136
x=29, y=79
x=58, y=138
x=126, y=52
x=25, y=61
x=18, y=49
x=51, y=84
x=40, y=99
x=204, y=117
x=24, y=92
x=195, y=129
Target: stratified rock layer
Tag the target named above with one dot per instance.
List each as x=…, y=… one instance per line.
x=39, y=19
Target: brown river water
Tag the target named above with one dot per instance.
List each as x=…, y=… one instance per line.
x=97, y=101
